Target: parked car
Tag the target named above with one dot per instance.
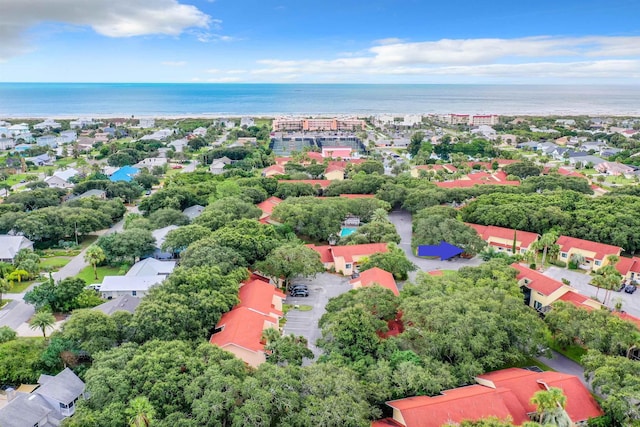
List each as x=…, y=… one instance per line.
x=299, y=292
x=621, y=287
x=630, y=288
x=294, y=286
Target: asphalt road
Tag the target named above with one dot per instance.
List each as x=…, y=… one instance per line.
x=305, y=323
x=560, y=363
x=402, y=221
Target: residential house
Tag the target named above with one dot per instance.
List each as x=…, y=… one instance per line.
x=41, y=160
x=416, y=171
x=247, y=121
x=504, y=394
x=629, y=268
x=375, y=277
x=178, y=144
x=7, y=143
x=100, y=194
x=344, y=259
x=267, y=208
x=217, y=165
x=273, y=170
x=614, y=168
x=151, y=267
x=584, y=159
x=47, y=141
x=19, y=130
x=316, y=183
x=160, y=234
x=125, y=173
x=334, y=172
x=247, y=140
x=504, y=239
x=67, y=137
x=151, y=162
x=193, y=212
x=60, y=179
x=126, y=303
x=479, y=178
x=337, y=152
x=159, y=135
x=240, y=330
x=201, y=132
x=47, y=125
x=486, y=132
x=607, y=152
x=51, y=402
x=137, y=286
x=80, y=123
x=541, y=291
x=11, y=245
x=595, y=254
x=146, y=123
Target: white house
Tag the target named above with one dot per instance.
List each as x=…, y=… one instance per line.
x=19, y=129
x=47, y=141
x=11, y=245
x=7, y=143
x=47, y=124
x=217, y=166
x=54, y=400
x=137, y=286
x=150, y=162
x=247, y=121
x=199, y=132
x=151, y=267
x=67, y=136
x=80, y=123
x=178, y=145
x=146, y=123
x=60, y=179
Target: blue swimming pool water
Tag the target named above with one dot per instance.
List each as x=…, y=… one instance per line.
x=347, y=230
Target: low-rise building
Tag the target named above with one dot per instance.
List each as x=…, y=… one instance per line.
x=375, y=277
x=267, y=208
x=11, y=245
x=595, y=254
x=126, y=303
x=193, y=212
x=504, y=239
x=344, y=259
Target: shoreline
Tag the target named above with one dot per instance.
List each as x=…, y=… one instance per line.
x=180, y=116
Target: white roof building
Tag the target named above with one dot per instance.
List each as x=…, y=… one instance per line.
x=11, y=245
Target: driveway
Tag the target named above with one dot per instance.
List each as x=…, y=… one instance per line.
x=305, y=323
x=580, y=281
x=403, y=222
x=563, y=364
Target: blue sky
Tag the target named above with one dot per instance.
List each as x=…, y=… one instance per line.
x=376, y=41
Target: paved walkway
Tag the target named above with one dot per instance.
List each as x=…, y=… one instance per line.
x=403, y=222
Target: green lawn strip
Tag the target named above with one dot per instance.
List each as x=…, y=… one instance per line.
x=5, y=302
x=87, y=273
x=54, y=263
x=19, y=287
x=573, y=352
x=529, y=361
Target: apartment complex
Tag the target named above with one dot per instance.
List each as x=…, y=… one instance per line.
x=471, y=120
x=295, y=124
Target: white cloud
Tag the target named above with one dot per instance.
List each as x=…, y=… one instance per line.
x=107, y=17
x=174, y=63
x=592, y=57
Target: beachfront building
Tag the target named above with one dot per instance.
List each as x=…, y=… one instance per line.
x=484, y=120
x=317, y=124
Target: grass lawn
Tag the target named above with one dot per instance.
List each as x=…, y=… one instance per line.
x=5, y=302
x=20, y=287
x=87, y=273
x=54, y=263
x=573, y=352
x=618, y=180
x=529, y=361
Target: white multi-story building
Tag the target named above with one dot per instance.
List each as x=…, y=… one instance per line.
x=487, y=120
x=146, y=123
x=47, y=124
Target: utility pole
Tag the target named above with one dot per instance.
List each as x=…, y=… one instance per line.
x=76, y=231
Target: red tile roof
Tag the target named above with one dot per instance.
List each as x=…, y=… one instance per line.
x=627, y=317
x=435, y=273
x=258, y=296
x=378, y=276
x=323, y=183
x=447, y=168
x=282, y=160
x=332, y=168
x=487, y=231
x=626, y=265
x=328, y=253
x=576, y=299
x=350, y=251
x=580, y=404
x=242, y=327
x=324, y=251
x=274, y=170
x=601, y=249
x=537, y=281
x=268, y=205
x=566, y=172
x=465, y=403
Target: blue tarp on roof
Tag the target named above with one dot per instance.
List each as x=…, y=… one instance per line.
x=125, y=173
x=443, y=250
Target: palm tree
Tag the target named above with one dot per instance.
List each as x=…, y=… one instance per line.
x=18, y=274
x=379, y=215
x=550, y=406
x=42, y=320
x=140, y=412
x=94, y=256
x=577, y=259
x=5, y=287
x=546, y=241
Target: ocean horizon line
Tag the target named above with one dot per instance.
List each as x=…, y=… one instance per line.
x=586, y=84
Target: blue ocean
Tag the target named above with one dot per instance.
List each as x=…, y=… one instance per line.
x=134, y=99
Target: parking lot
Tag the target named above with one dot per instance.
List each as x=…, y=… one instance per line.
x=305, y=323
x=580, y=281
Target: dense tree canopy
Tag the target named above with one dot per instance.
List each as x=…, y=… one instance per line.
x=433, y=225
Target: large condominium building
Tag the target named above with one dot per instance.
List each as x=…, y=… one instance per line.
x=294, y=125
x=466, y=119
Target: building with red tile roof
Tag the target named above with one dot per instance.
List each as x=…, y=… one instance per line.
x=478, y=178
x=375, y=276
x=416, y=170
x=504, y=394
x=337, y=152
x=239, y=331
x=595, y=254
x=322, y=183
x=334, y=172
x=542, y=291
x=503, y=238
x=267, y=208
x=273, y=170
x=629, y=268
x=567, y=172
x=344, y=258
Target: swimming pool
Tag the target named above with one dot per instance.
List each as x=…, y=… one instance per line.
x=347, y=231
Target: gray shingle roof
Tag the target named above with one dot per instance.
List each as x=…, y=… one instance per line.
x=64, y=387
x=121, y=303
x=24, y=410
